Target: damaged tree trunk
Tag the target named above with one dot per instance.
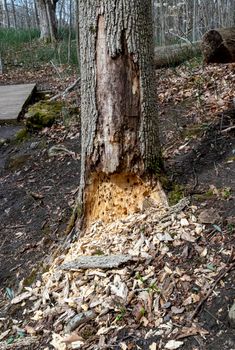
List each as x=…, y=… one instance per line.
x=218, y=45
x=120, y=143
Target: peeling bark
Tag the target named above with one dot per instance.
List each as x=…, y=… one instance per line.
x=120, y=144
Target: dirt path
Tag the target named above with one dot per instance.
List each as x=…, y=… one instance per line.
x=36, y=196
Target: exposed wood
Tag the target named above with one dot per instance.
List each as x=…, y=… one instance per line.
x=218, y=45
x=13, y=99
x=165, y=56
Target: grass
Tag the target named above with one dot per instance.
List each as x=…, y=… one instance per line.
x=22, y=47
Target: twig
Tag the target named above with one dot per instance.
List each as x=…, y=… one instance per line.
x=218, y=279
x=56, y=69
x=228, y=129
x=67, y=90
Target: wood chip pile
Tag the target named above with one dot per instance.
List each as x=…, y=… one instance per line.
x=144, y=274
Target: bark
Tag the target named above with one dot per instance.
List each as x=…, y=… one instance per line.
x=47, y=19
x=171, y=55
x=52, y=21
x=6, y=18
x=218, y=45
x=13, y=14
x=120, y=143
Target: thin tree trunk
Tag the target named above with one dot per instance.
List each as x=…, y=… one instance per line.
x=47, y=19
x=6, y=18
x=120, y=143
x=77, y=29
x=51, y=15
x=36, y=15
x=43, y=20
x=70, y=32
x=13, y=14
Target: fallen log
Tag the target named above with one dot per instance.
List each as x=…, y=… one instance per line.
x=218, y=45
x=172, y=55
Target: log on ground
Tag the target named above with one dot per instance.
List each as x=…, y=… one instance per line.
x=218, y=45
x=172, y=55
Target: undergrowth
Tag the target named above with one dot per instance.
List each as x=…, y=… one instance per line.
x=23, y=47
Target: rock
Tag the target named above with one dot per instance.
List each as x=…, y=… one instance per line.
x=2, y=141
x=208, y=216
x=34, y=145
x=231, y=316
x=97, y=262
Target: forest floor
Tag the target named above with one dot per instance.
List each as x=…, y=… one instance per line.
x=37, y=194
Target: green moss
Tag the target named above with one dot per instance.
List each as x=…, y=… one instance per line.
x=43, y=114
x=22, y=135
x=176, y=194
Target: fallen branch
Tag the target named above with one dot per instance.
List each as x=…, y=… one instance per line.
x=66, y=91
x=172, y=55
x=228, y=129
x=218, y=279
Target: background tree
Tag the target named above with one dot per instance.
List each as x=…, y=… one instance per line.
x=120, y=143
x=47, y=19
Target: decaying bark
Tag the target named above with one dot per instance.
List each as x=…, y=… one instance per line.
x=166, y=56
x=120, y=143
x=218, y=45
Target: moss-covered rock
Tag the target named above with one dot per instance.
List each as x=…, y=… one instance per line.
x=43, y=114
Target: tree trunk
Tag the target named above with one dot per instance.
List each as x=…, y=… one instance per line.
x=6, y=18
x=218, y=45
x=47, y=20
x=51, y=14
x=165, y=56
x=120, y=143
x=13, y=14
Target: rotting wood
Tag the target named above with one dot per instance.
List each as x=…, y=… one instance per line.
x=172, y=55
x=218, y=45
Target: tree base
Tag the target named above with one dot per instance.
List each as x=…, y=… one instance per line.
x=115, y=196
